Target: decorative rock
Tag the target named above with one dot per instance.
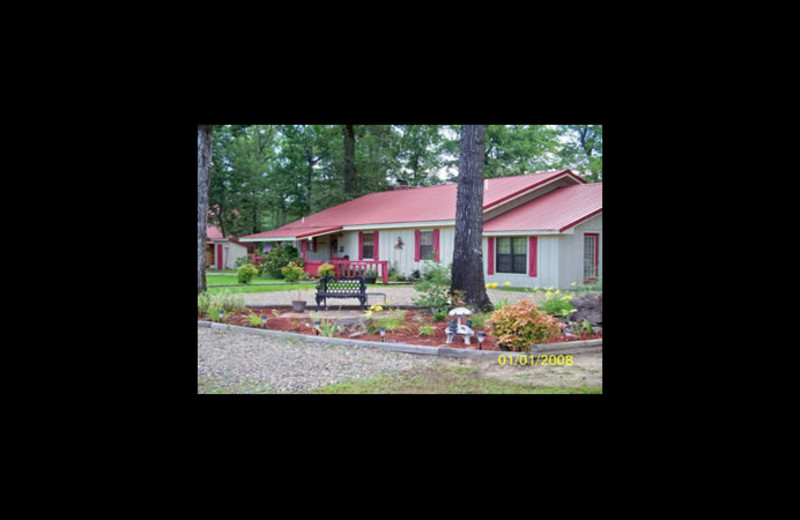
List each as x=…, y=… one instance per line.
x=589, y=307
x=353, y=325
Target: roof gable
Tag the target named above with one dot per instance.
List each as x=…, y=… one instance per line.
x=557, y=210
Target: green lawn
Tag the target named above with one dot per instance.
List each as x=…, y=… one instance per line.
x=445, y=380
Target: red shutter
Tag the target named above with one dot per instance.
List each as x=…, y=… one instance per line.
x=532, y=256
x=436, y=244
x=360, y=243
x=416, y=245
x=375, y=246
x=314, y=244
x=305, y=247
x=490, y=266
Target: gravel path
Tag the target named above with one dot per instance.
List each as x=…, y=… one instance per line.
x=242, y=363
x=397, y=295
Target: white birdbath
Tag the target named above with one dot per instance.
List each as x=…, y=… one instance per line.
x=461, y=328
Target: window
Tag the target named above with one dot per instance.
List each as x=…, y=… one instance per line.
x=512, y=255
x=426, y=245
x=368, y=247
x=591, y=248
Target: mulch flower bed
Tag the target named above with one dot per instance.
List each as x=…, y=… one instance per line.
x=408, y=333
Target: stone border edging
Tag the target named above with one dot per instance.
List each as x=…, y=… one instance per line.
x=569, y=347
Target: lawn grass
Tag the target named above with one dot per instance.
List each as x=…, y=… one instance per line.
x=444, y=380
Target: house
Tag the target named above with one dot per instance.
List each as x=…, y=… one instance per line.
x=221, y=252
x=541, y=229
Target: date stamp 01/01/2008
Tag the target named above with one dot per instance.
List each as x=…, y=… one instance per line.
x=534, y=360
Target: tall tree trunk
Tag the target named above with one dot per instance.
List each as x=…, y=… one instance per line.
x=349, y=161
x=467, y=272
x=203, y=177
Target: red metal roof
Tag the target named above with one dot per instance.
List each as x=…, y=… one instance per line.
x=557, y=210
x=212, y=232
x=408, y=205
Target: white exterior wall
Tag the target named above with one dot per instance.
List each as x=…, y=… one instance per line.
x=547, y=252
x=571, y=252
x=230, y=252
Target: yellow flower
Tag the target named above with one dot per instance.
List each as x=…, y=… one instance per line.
x=558, y=291
x=494, y=284
x=548, y=294
x=488, y=285
x=573, y=284
x=507, y=284
x=369, y=314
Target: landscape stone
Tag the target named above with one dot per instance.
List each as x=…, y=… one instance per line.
x=589, y=307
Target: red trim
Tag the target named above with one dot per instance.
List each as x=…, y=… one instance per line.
x=532, y=246
x=436, y=245
x=375, y=252
x=532, y=186
x=596, y=255
x=321, y=231
x=360, y=245
x=219, y=256
x=416, y=245
x=586, y=217
x=490, y=266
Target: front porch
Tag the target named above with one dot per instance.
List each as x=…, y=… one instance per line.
x=344, y=266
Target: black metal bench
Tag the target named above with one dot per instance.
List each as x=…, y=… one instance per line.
x=344, y=287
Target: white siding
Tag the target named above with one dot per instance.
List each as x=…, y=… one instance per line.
x=571, y=252
x=547, y=250
x=230, y=252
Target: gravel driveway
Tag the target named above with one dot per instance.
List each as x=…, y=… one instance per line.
x=395, y=295
x=242, y=363
x=233, y=362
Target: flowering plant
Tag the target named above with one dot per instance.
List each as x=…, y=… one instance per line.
x=522, y=324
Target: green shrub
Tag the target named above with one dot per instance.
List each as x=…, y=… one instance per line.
x=520, y=325
x=246, y=273
x=292, y=272
x=203, y=301
x=326, y=270
x=227, y=301
x=479, y=320
x=391, y=322
x=440, y=315
x=426, y=330
x=370, y=274
x=433, y=286
x=279, y=256
x=242, y=260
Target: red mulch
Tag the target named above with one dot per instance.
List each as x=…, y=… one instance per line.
x=414, y=319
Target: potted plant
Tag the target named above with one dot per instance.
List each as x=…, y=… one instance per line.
x=370, y=276
x=298, y=305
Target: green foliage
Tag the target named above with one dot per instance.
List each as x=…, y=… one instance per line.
x=426, y=330
x=292, y=272
x=327, y=328
x=203, y=301
x=433, y=286
x=254, y=319
x=225, y=300
x=479, y=320
x=392, y=322
x=278, y=257
x=440, y=315
x=246, y=273
x=520, y=325
x=326, y=270
x=242, y=260
x=581, y=288
x=557, y=304
x=370, y=274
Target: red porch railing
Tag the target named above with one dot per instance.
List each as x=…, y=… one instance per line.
x=357, y=267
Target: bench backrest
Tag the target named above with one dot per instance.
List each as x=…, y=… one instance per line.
x=342, y=285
